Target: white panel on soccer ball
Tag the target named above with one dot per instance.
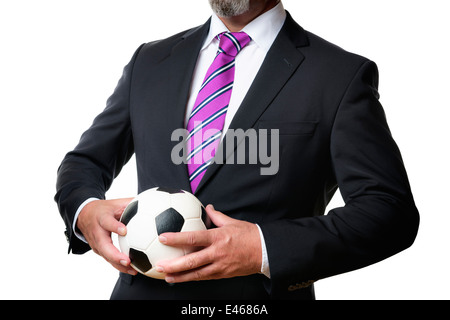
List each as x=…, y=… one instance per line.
x=187, y=204
x=157, y=252
x=141, y=229
x=123, y=244
x=152, y=273
x=193, y=225
x=153, y=201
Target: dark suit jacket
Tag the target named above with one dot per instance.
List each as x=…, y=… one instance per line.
x=333, y=133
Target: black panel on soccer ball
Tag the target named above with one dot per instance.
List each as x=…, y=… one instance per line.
x=204, y=215
x=140, y=260
x=129, y=212
x=169, y=220
x=169, y=190
x=206, y=220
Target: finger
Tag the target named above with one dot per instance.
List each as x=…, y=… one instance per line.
x=117, y=259
x=111, y=224
x=185, y=263
x=218, y=218
x=188, y=238
x=207, y=272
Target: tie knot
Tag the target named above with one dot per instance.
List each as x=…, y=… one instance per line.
x=233, y=42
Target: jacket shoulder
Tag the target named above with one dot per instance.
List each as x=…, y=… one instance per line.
x=159, y=49
x=325, y=49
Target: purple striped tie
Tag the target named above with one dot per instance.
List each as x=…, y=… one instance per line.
x=208, y=115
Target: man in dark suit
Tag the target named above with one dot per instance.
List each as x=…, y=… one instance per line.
x=271, y=237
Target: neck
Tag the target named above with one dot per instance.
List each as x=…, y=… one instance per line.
x=257, y=8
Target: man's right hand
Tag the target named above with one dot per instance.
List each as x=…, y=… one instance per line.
x=97, y=221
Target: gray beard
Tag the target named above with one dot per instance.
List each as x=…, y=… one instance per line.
x=229, y=8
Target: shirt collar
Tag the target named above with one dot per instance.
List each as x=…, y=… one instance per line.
x=263, y=30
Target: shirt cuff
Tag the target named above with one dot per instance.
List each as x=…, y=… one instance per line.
x=75, y=219
x=265, y=270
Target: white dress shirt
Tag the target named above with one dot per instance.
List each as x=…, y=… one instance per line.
x=263, y=30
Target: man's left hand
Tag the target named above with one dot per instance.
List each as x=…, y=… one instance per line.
x=230, y=250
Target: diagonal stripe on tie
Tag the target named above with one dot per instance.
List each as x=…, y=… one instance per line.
x=217, y=73
x=200, y=170
x=234, y=41
x=204, y=145
x=207, y=121
x=213, y=96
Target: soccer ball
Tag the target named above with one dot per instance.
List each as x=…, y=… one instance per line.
x=152, y=213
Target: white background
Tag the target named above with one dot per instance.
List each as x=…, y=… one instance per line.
x=60, y=60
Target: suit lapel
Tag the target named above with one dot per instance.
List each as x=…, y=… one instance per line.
x=183, y=59
x=281, y=62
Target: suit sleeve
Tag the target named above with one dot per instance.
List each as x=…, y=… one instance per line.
x=379, y=218
x=88, y=170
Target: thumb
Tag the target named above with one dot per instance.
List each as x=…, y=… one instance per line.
x=217, y=218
